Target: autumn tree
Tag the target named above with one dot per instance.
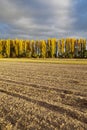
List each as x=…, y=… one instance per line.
x=59, y=47
x=8, y=47
x=53, y=47
x=63, y=46
x=20, y=42
x=1, y=49
x=73, y=45
x=48, y=48
x=43, y=48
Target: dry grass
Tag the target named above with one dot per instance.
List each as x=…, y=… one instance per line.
x=47, y=60
x=36, y=96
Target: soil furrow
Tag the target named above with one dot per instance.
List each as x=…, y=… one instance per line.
x=38, y=86
x=74, y=114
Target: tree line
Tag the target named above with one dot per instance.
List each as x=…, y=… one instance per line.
x=64, y=48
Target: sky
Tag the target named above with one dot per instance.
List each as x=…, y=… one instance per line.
x=43, y=19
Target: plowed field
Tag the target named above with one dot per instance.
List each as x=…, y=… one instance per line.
x=43, y=96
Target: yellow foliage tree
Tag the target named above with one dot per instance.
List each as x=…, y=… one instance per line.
x=59, y=47
x=20, y=47
x=63, y=45
x=8, y=48
x=17, y=47
x=43, y=48
x=73, y=45
x=1, y=48
x=53, y=47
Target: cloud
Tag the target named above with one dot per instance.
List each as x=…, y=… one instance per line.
x=81, y=15
x=37, y=19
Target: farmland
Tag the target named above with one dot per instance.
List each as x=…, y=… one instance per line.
x=43, y=96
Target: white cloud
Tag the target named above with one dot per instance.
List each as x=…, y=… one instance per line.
x=36, y=18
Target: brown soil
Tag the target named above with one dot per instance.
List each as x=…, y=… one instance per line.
x=39, y=96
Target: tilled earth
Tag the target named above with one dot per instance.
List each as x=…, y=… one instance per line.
x=43, y=96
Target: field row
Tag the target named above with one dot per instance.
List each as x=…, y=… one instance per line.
x=43, y=96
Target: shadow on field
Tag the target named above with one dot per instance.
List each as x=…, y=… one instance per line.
x=60, y=109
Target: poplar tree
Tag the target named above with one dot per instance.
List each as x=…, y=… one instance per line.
x=16, y=47
x=8, y=48
x=1, y=49
x=73, y=45
x=20, y=47
x=43, y=49
x=63, y=45
x=53, y=47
